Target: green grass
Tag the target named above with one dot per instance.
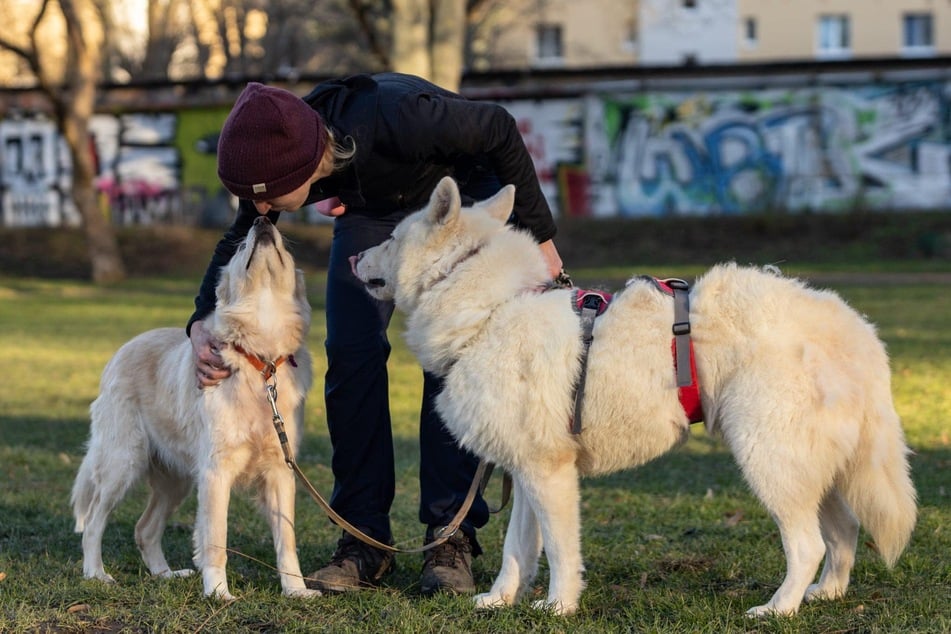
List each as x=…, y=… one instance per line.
x=679, y=545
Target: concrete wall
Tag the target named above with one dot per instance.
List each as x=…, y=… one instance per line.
x=142, y=176
x=726, y=152
x=630, y=143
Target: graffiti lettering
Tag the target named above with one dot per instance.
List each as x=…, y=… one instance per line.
x=826, y=149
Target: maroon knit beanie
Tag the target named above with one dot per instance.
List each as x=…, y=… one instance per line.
x=270, y=144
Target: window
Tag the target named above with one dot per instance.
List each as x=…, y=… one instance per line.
x=834, y=40
x=548, y=45
x=749, y=31
x=630, y=36
x=917, y=34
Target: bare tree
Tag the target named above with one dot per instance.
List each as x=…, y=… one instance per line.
x=410, y=52
x=71, y=89
x=426, y=37
x=164, y=37
x=448, y=42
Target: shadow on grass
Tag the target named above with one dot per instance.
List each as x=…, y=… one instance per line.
x=687, y=471
x=43, y=433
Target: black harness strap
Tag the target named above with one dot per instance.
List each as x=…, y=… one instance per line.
x=681, y=329
x=589, y=304
x=680, y=291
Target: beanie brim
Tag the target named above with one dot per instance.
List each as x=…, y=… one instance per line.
x=272, y=188
x=270, y=144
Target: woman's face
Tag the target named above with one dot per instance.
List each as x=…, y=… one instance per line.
x=292, y=201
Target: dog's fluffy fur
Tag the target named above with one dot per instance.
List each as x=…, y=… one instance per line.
x=795, y=382
x=151, y=420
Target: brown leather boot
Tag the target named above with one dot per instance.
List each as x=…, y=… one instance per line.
x=353, y=566
x=448, y=567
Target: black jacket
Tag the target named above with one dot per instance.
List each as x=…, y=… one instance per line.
x=409, y=134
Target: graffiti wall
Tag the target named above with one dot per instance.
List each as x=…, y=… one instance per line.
x=34, y=178
x=553, y=133
x=139, y=167
x=817, y=148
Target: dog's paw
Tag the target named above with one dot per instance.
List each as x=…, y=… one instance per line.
x=490, y=601
x=303, y=593
x=172, y=574
x=559, y=608
x=762, y=611
x=100, y=575
x=817, y=592
x=221, y=593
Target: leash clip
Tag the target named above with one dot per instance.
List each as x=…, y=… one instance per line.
x=562, y=280
x=270, y=387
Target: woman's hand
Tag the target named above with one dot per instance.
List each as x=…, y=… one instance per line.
x=552, y=259
x=331, y=207
x=210, y=369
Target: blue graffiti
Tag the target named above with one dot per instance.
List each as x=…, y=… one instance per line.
x=798, y=150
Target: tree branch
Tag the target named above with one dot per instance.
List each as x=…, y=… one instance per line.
x=30, y=55
x=361, y=14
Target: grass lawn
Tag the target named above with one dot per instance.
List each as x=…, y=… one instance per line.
x=679, y=545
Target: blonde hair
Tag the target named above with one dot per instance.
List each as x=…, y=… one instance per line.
x=343, y=150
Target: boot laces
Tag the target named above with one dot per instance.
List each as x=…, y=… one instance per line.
x=450, y=552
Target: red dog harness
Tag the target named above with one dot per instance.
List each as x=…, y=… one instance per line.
x=590, y=304
x=682, y=347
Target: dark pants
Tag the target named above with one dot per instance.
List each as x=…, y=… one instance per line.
x=358, y=413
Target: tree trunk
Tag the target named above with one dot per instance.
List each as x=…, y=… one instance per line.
x=448, y=42
x=74, y=107
x=410, y=48
x=104, y=256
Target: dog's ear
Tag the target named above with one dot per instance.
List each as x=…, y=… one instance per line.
x=445, y=203
x=500, y=205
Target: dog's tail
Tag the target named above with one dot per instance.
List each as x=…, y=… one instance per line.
x=879, y=489
x=84, y=491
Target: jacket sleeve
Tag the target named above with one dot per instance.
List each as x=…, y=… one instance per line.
x=225, y=249
x=434, y=127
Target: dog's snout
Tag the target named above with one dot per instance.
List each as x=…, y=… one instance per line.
x=373, y=282
x=264, y=230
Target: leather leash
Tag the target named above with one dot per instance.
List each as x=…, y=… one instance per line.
x=479, y=480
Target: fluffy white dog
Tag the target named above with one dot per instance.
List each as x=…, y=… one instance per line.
x=795, y=382
x=151, y=420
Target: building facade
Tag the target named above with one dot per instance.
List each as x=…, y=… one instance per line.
x=569, y=34
x=772, y=30
x=539, y=34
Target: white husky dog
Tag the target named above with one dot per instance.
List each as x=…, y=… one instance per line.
x=150, y=419
x=795, y=382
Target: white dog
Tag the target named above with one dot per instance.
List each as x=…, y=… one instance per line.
x=795, y=382
x=150, y=419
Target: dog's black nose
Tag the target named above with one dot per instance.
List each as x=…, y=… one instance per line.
x=262, y=220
